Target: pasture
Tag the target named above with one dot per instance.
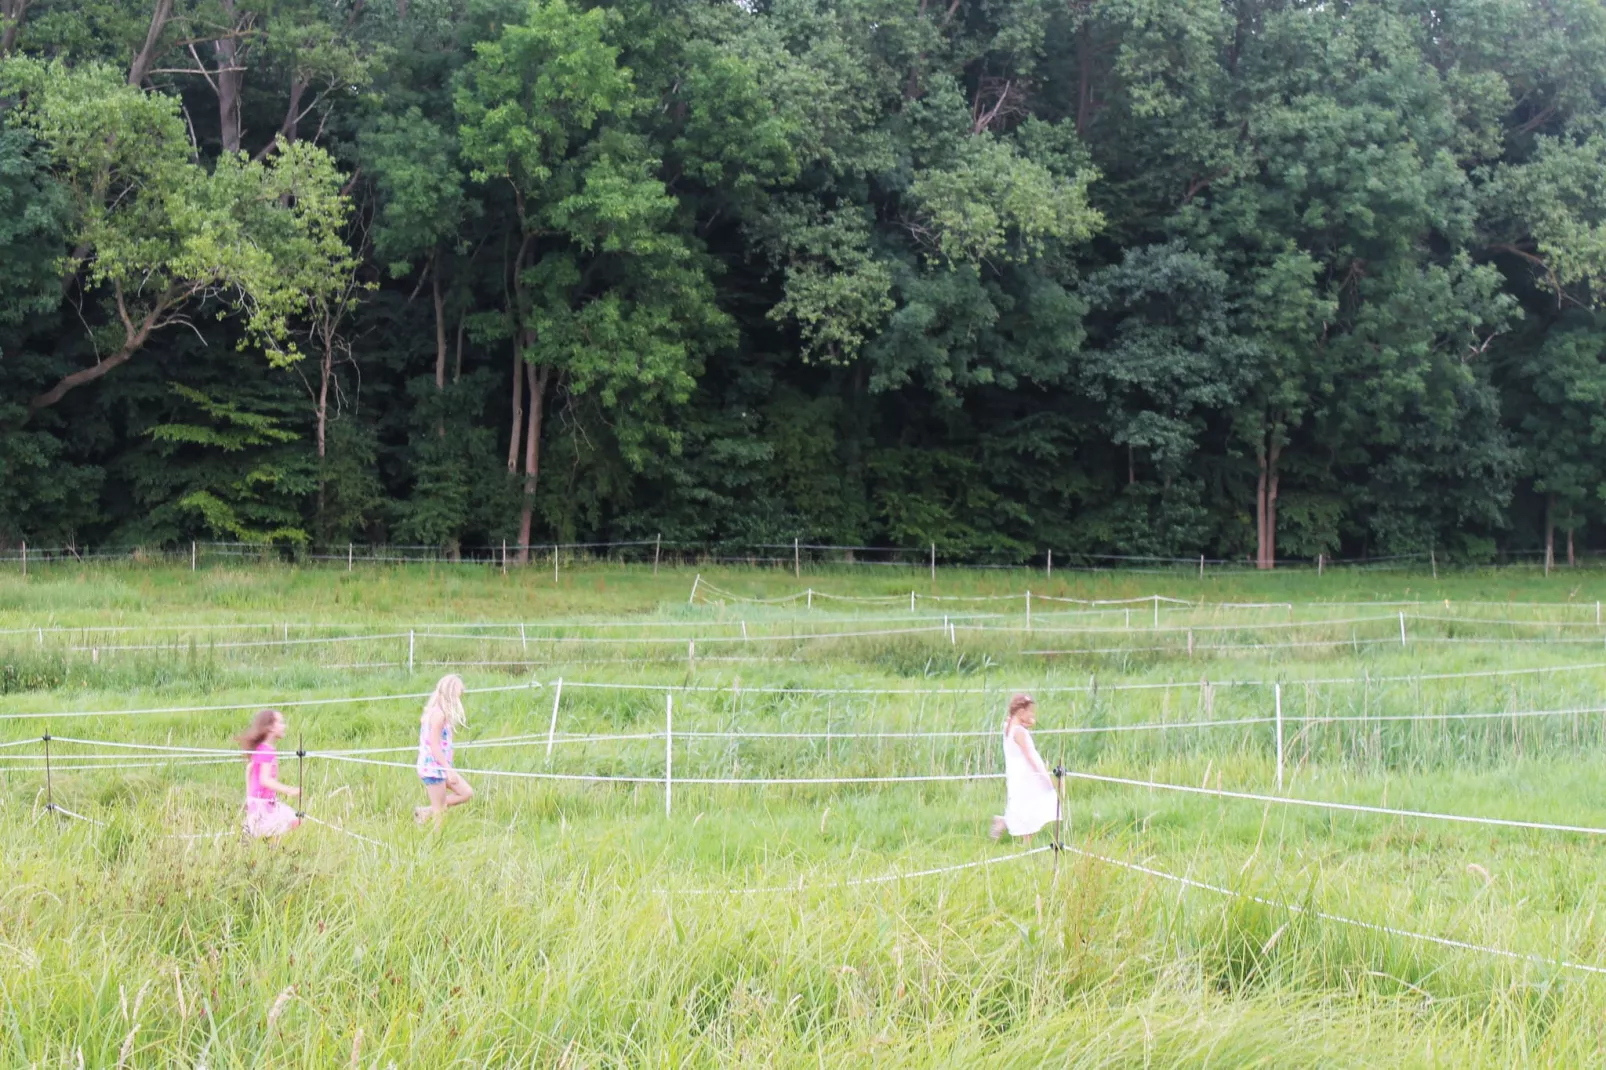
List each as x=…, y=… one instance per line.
x=738, y=817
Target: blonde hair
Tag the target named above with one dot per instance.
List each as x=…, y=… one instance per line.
x=1020, y=702
x=447, y=700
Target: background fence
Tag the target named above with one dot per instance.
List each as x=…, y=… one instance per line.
x=794, y=556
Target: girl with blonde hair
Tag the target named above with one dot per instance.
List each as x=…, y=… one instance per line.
x=443, y=715
x=1032, y=801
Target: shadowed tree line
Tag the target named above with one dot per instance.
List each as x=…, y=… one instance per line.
x=1257, y=279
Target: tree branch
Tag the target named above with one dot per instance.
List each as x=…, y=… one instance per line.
x=136, y=335
x=140, y=68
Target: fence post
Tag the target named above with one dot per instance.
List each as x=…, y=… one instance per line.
x=1320, y=560
x=933, y=562
x=1201, y=566
x=50, y=797
x=691, y=654
x=301, y=776
x=693, y=596
x=1059, y=814
x=554, y=562
x=1402, y=627
x=504, y=557
x=811, y=598
x=1190, y=642
x=1028, y=610
x=351, y=553
x=1050, y=565
x=524, y=645
x=657, y=549
x=1433, y=559
x=669, y=751
x=552, y=729
x=192, y=555
x=1279, y=694
x=410, y=638
x=912, y=606
x=1156, y=612
x=24, y=557
x=797, y=559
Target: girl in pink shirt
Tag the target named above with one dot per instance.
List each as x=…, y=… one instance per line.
x=265, y=815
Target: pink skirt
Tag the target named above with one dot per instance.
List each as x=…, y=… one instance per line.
x=269, y=817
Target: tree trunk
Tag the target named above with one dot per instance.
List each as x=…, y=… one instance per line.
x=1272, y=481
x=327, y=373
x=12, y=12
x=230, y=80
x=457, y=368
x=1084, y=78
x=141, y=65
x=532, y=455
x=518, y=407
x=1260, y=514
x=292, y=114
x=1266, y=504
x=440, y=341
x=1550, y=532
x=440, y=326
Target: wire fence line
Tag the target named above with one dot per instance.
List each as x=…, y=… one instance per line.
x=772, y=637
x=553, y=737
x=168, y=754
x=736, y=689
x=802, y=884
x=794, y=555
x=1339, y=919
x=1019, y=604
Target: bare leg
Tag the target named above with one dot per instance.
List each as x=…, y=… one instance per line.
x=998, y=828
x=454, y=791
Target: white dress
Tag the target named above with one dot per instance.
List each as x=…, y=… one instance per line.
x=1032, y=801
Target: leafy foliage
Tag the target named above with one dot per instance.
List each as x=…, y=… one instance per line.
x=1266, y=278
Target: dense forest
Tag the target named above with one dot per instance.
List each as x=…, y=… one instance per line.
x=1259, y=278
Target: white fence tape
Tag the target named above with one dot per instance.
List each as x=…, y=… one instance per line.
x=1292, y=908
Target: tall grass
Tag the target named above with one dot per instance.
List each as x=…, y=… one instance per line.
x=559, y=924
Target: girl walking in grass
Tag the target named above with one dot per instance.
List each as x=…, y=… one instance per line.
x=265, y=814
x=1032, y=801
x=443, y=715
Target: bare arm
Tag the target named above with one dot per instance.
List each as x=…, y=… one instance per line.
x=433, y=740
x=274, y=785
x=1023, y=739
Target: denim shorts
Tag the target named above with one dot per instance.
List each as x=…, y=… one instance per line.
x=431, y=781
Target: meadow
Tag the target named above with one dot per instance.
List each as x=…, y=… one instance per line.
x=737, y=816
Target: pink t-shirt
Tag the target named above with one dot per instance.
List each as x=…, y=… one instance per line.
x=264, y=763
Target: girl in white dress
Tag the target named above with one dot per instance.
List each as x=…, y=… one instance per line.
x=1032, y=801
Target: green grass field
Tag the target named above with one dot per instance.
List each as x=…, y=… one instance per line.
x=575, y=922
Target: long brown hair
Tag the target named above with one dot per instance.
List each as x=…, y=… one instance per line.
x=1018, y=703
x=261, y=725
